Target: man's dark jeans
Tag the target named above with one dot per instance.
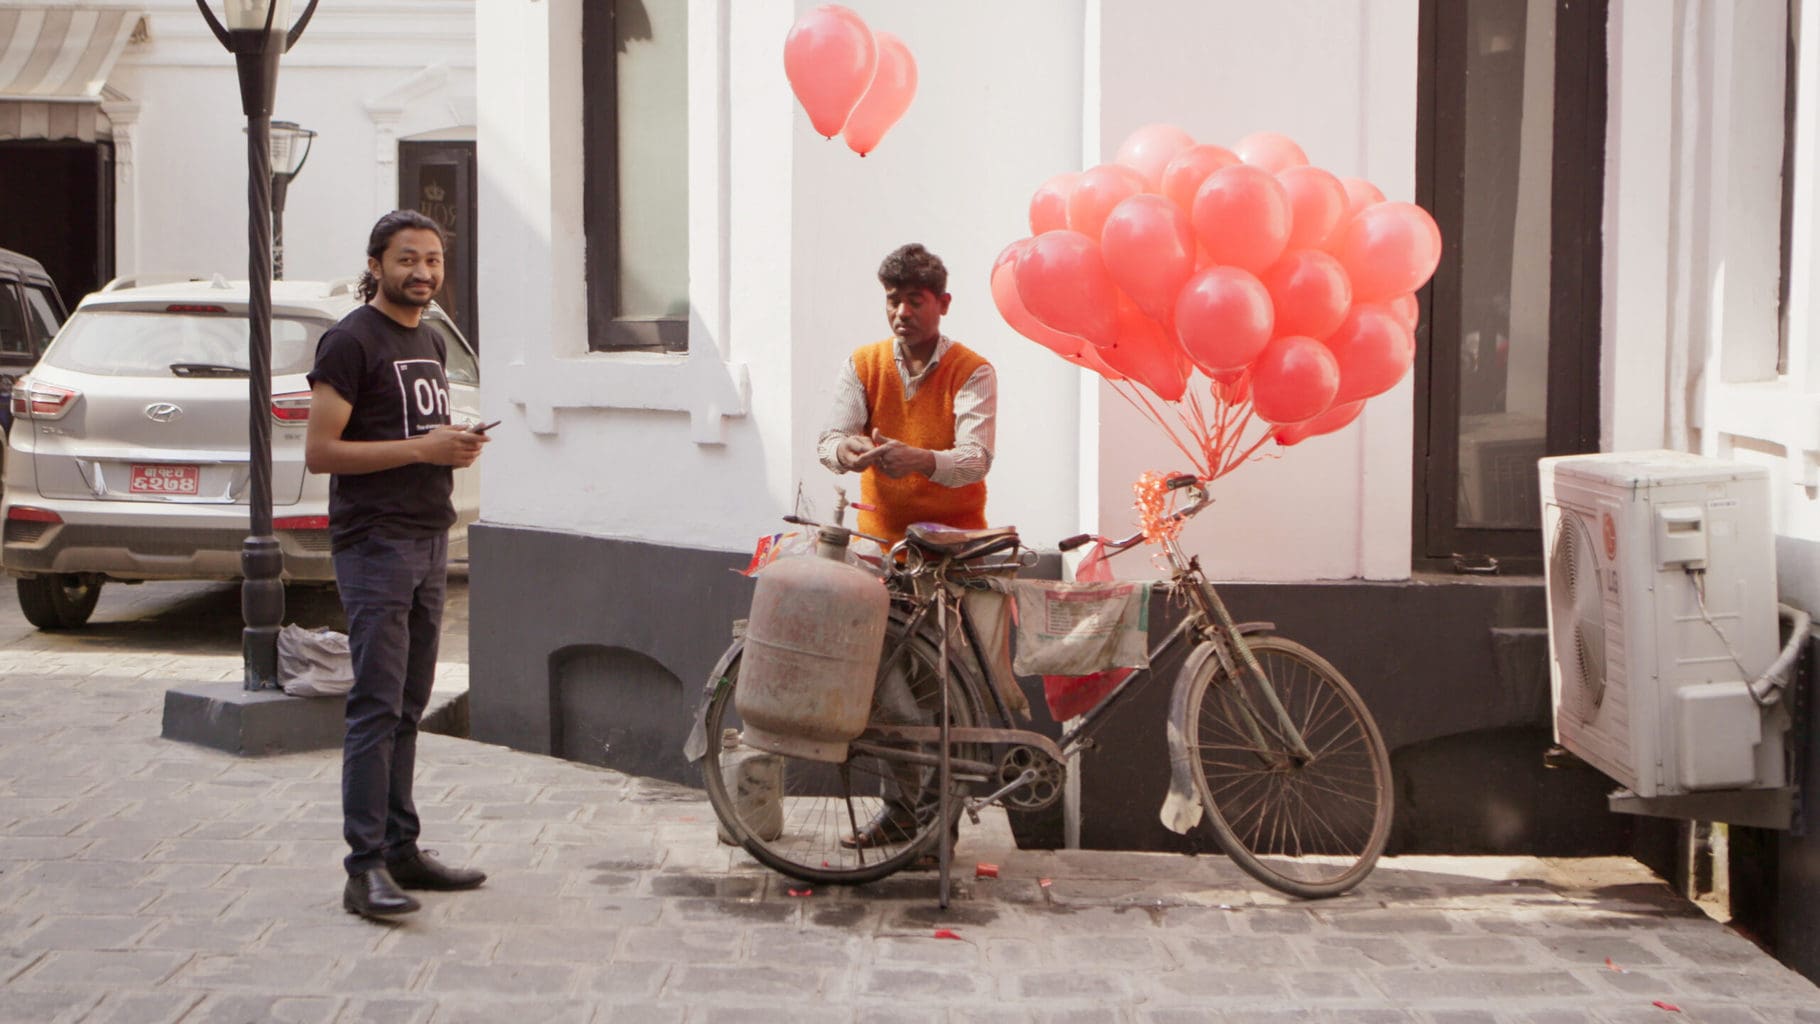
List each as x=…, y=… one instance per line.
x=392, y=590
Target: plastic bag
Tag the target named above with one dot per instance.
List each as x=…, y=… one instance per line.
x=1070, y=696
x=314, y=663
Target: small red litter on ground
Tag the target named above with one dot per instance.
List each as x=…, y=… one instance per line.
x=985, y=871
x=943, y=933
x=801, y=892
x=1670, y=1007
x=1045, y=882
x=1614, y=967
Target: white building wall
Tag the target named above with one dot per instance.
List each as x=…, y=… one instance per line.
x=362, y=75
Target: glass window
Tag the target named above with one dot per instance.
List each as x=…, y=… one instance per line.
x=13, y=337
x=41, y=316
x=636, y=83
x=132, y=344
x=1505, y=244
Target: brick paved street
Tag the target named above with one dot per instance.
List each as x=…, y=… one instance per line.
x=147, y=881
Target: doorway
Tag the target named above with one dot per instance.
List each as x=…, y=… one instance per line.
x=57, y=206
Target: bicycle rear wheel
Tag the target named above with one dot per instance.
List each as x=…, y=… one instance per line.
x=824, y=806
x=1310, y=827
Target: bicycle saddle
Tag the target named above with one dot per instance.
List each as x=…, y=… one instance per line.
x=936, y=539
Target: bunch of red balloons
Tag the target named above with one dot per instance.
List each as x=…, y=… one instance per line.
x=852, y=81
x=1290, y=288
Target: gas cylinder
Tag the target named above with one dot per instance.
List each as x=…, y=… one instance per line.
x=812, y=648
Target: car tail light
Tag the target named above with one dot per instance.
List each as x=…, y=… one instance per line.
x=36, y=400
x=291, y=407
x=30, y=514
x=182, y=307
x=301, y=523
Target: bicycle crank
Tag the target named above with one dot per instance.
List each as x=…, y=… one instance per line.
x=1032, y=779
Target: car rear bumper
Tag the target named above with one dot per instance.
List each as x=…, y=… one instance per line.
x=137, y=550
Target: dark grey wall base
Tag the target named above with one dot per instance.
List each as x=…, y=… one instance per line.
x=226, y=716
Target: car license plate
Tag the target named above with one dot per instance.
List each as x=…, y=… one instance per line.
x=165, y=479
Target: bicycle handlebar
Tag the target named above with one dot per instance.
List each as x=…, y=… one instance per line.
x=1174, y=483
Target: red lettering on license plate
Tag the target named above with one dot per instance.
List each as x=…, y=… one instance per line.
x=165, y=479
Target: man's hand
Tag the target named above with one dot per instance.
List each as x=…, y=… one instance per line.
x=449, y=445
x=896, y=459
x=854, y=453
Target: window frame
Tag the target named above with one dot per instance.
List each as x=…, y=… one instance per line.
x=1440, y=544
x=607, y=330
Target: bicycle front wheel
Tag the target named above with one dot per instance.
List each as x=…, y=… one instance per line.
x=1310, y=826
x=846, y=823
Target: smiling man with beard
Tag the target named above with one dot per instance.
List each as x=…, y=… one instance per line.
x=379, y=423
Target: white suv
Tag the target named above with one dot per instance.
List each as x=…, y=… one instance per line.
x=128, y=459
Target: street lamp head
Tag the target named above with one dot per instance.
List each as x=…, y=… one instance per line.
x=290, y=148
x=257, y=15
x=257, y=33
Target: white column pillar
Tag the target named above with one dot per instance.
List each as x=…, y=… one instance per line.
x=124, y=116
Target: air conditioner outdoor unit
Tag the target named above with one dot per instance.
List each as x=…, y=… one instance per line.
x=1661, y=577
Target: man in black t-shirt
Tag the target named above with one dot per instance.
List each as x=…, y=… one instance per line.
x=379, y=422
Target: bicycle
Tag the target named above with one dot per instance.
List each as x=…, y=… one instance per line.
x=1265, y=735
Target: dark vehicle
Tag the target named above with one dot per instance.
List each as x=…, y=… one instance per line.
x=30, y=313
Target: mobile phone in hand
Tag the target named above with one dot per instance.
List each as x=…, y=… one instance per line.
x=482, y=428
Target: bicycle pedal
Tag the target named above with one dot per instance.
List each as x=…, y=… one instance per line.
x=973, y=815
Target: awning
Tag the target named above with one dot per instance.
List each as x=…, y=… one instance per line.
x=52, y=52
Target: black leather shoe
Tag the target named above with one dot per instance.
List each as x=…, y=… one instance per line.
x=374, y=894
x=426, y=872
x=895, y=823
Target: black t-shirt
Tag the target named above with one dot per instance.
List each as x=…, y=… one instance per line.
x=393, y=377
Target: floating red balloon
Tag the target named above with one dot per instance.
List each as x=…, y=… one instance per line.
x=1149, y=149
x=830, y=58
x=1011, y=306
x=1241, y=216
x=1336, y=418
x=1310, y=292
x=1373, y=349
x=1270, y=151
x=1388, y=249
x=886, y=99
x=1293, y=379
x=1049, y=206
x=1096, y=191
x=1407, y=309
x=1064, y=284
x=1183, y=175
x=1145, y=354
x=1318, y=202
x=1224, y=318
x=1148, y=248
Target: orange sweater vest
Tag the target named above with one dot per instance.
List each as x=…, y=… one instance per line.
x=926, y=421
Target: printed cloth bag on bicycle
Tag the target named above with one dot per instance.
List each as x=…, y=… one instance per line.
x=1082, y=637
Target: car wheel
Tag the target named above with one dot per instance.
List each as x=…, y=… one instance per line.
x=61, y=601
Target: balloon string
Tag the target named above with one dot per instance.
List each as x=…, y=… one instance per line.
x=1155, y=417
x=1249, y=452
x=1225, y=461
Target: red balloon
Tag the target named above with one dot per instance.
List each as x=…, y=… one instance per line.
x=1183, y=175
x=1096, y=191
x=1389, y=249
x=1407, y=309
x=1089, y=359
x=1242, y=216
x=1293, y=379
x=1310, y=292
x=1231, y=387
x=1145, y=354
x=1149, y=251
x=1333, y=419
x=1224, y=318
x=1318, y=201
x=1049, y=206
x=1270, y=151
x=1359, y=194
x=886, y=99
x=1373, y=349
x=1149, y=149
x=1064, y=284
x=1011, y=307
x=830, y=58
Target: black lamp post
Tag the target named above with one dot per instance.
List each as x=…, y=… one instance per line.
x=256, y=35
x=290, y=149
